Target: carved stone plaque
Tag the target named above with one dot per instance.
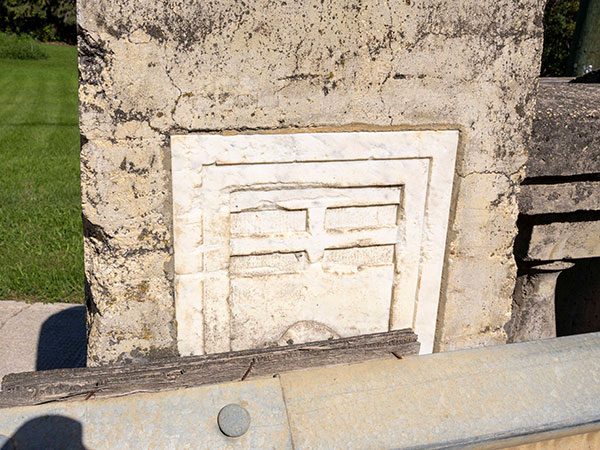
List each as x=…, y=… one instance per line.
x=289, y=238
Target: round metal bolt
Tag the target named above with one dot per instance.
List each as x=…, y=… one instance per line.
x=233, y=420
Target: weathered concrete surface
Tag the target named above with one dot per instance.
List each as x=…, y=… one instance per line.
x=566, y=131
x=559, y=205
x=590, y=77
x=41, y=336
x=148, y=72
x=559, y=198
x=582, y=441
x=564, y=240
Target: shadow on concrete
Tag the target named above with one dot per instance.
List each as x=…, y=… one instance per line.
x=62, y=341
x=577, y=298
x=46, y=433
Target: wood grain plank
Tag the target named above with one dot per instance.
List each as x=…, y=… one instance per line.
x=32, y=388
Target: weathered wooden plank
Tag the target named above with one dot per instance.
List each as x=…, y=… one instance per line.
x=31, y=388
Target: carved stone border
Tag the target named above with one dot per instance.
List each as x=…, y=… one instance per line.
x=203, y=326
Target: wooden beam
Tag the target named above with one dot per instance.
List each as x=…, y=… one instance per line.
x=33, y=388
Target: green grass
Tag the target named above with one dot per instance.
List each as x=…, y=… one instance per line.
x=41, y=255
x=20, y=47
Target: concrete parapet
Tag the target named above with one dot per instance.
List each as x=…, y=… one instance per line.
x=150, y=71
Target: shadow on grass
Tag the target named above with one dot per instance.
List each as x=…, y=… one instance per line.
x=62, y=341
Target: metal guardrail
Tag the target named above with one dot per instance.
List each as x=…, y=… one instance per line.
x=482, y=398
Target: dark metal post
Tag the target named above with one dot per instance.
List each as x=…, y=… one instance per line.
x=585, y=55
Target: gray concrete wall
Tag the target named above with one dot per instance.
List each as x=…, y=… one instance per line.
x=558, y=246
x=149, y=70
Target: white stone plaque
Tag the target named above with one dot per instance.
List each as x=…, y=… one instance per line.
x=289, y=238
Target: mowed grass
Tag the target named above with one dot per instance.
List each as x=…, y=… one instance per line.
x=41, y=255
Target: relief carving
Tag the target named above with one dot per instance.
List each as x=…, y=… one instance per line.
x=308, y=236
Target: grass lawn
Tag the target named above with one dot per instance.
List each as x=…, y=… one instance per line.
x=41, y=254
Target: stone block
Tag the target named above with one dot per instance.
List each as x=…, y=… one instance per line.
x=566, y=131
x=559, y=198
x=150, y=72
x=564, y=240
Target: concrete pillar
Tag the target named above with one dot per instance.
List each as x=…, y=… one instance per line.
x=533, y=315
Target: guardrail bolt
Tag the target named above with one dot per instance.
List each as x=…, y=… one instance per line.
x=233, y=420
